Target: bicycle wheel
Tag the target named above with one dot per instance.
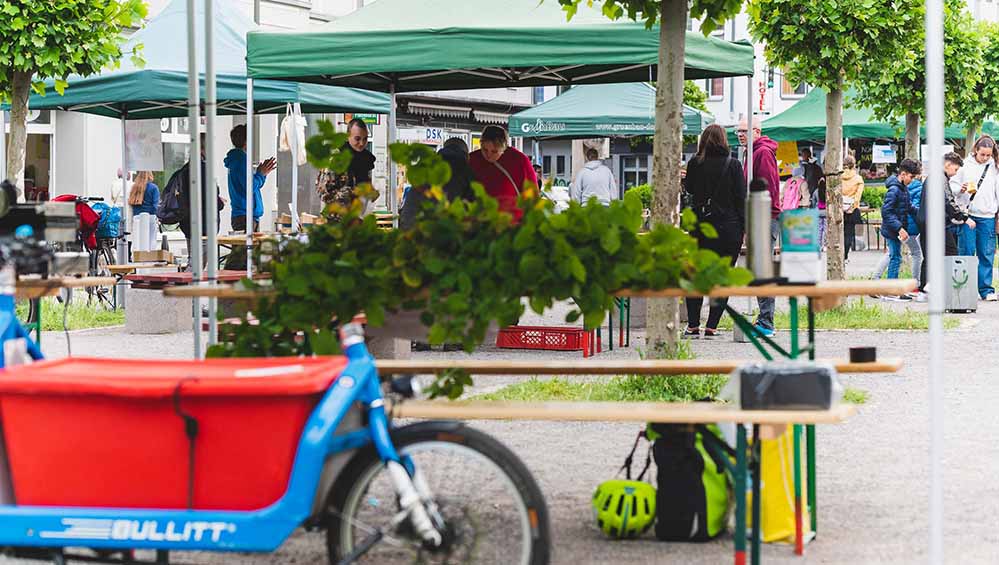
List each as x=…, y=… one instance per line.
x=493, y=510
x=103, y=257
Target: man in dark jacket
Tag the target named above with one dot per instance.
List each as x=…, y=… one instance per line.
x=953, y=215
x=455, y=153
x=765, y=167
x=895, y=213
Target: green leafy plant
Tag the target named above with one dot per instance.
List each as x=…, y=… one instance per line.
x=644, y=193
x=464, y=265
x=874, y=196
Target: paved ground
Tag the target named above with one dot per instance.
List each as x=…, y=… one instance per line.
x=872, y=481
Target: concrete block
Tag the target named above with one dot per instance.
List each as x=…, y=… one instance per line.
x=149, y=312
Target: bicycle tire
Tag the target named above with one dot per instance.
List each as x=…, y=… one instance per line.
x=361, y=471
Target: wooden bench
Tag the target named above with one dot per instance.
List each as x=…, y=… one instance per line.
x=616, y=367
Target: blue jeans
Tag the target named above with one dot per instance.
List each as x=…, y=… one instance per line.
x=965, y=240
x=985, y=248
x=767, y=305
x=894, y=256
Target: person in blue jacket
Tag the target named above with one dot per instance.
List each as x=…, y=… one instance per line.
x=895, y=214
x=235, y=162
x=144, y=197
x=915, y=189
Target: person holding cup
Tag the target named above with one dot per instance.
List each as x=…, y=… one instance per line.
x=980, y=189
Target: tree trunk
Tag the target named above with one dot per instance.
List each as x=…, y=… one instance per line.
x=970, y=138
x=912, y=136
x=20, y=90
x=663, y=321
x=834, y=196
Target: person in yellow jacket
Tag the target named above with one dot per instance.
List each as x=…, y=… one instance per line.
x=853, y=189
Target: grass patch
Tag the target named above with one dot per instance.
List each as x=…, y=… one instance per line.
x=861, y=314
x=80, y=315
x=631, y=388
x=855, y=396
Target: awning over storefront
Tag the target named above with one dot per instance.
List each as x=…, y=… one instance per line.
x=600, y=110
x=413, y=45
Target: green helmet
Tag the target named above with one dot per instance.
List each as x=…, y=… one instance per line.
x=624, y=509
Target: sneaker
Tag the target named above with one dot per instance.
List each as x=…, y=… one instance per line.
x=875, y=296
x=692, y=332
x=710, y=333
x=919, y=296
x=763, y=330
x=991, y=297
x=899, y=298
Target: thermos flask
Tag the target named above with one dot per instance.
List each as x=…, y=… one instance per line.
x=759, y=249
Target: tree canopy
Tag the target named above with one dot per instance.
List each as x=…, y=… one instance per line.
x=712, y=13
x=983, y=103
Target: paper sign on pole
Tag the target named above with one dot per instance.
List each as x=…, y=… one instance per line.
x=144, y=145
x=884, y=154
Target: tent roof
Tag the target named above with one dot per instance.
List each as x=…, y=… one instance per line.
x=806, y=120
x=452, y=44
x=600, y=110
x=159, y=89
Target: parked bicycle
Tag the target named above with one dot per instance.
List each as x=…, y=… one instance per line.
x=98, y=234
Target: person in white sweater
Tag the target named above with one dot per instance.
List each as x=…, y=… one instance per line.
x=595, y=180
x=980, y=189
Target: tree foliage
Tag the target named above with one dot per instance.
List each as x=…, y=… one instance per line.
x=57, y=38
x=827, y=43
x=712, y=13
x=694, y=96
x=892, y=91
x=983, y=104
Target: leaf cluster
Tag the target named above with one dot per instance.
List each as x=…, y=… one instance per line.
x=827, y=43
x=58, y=38
x=892, y=91
x=712, y=13
x=467, y=264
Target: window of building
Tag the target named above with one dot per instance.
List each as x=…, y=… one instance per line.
x=538, y=94
x=715, y=88
x=788, y=90
x=560, y=166
x=634, y=170
x=546, y=165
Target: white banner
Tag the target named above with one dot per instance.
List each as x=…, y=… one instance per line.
x=143, y=145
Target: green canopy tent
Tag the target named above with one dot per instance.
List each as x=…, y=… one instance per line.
x=600, y=110
x=806, y=120
x=412, y=45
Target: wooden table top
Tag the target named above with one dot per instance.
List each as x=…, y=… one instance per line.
x=30, y=288
x=660, y=412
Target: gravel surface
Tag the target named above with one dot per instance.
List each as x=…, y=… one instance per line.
x=872, y=473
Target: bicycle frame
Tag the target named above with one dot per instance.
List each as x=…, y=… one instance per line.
x=260, y=530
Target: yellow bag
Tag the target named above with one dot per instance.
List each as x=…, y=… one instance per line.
x=777, y=489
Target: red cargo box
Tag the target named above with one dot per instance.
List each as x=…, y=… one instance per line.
x=542, y=337
x=105, y=432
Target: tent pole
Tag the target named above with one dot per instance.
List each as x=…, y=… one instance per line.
x=390, y=200
x=935, y=255
x=250, y=204
x=194, y=171
x=211, y=220
x=294, y=169
x=3, y=145
x=121, y=250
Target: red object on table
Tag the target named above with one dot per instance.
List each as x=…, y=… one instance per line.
x=185, y=278
x=109, y=432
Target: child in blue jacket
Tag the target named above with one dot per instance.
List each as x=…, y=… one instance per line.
x=895, y=213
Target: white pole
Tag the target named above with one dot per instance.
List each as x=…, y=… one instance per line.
x=122, y=248
x=211, y=218
x=935, y=255
x=194, y=120
x=249, y=178
x=749, y=132
x=294, y=168
x=3, y=145
x=390, y=201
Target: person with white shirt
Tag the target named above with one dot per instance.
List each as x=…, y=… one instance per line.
x=980, y=184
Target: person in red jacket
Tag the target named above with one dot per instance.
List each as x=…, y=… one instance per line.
x=765, y=167
x=502, y=169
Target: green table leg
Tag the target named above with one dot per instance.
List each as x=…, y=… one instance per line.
x=627, y=330
x=799, y=535
x=740, y=495
x=794, y=327
x=757, y=503
x=38, y=322
x=610, y=327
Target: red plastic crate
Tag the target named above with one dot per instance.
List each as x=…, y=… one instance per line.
x=104, y=432
x=542, y=337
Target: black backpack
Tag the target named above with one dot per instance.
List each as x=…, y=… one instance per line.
x=171, y=209
x=692, y=496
